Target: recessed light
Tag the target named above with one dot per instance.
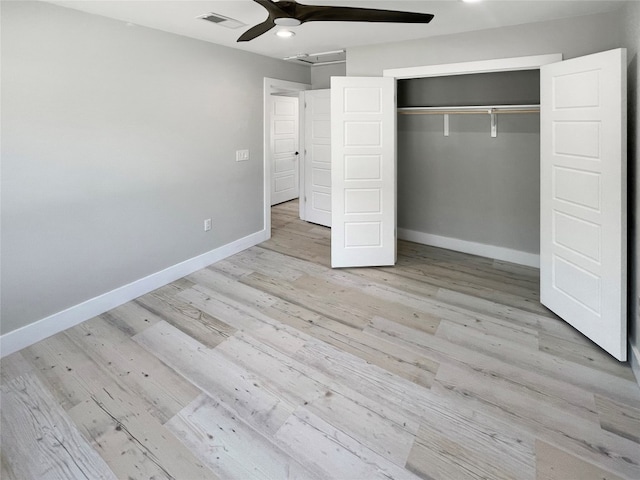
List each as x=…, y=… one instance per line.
x=285, y=33
x=471, y=1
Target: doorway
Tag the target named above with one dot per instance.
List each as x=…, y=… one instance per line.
x=284, y=147
x=274, y=88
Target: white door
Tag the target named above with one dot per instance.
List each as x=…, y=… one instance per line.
x=363, y=171
x=583, y=196
x=317, y=156
x=284, y=149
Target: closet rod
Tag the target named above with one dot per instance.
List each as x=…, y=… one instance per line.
x=470, y=110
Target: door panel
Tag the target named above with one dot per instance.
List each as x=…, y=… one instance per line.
x=363, y=181
x=317, y=156
x=583, y=195
x=284, y=147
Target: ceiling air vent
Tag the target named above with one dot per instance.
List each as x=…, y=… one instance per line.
x=221, y=20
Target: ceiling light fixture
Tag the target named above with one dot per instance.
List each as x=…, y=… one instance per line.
x=471, y=1
x=285, y=33
x=287, y=21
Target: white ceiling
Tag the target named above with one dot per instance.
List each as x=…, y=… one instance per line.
x=451, y=16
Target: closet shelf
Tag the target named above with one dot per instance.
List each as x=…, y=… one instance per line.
x=470, y=110
x=492, y=110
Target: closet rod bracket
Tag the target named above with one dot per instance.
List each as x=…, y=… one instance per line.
x=494, y=123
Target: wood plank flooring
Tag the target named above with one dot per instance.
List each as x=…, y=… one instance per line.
x=271, y=365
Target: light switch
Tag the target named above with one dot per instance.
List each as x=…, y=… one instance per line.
x=242, y=155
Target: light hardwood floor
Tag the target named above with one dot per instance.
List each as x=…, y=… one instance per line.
x=272, y=365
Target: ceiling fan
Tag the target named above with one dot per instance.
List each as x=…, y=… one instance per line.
x=291, y=14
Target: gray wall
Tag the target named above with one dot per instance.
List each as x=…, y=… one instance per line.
x=469, y=185
x=573, y=37
x=117, y=142
x=631, y=30
x=321, y=74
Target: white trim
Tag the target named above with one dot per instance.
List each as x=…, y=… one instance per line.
x=484, y=66
x=474, y=248
x=531, y=62
x=28, y=335
x=302, y=158
x=269, y=86
x=634, y=361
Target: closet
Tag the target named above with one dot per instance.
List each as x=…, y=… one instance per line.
x=469, y=163
x=489, y=170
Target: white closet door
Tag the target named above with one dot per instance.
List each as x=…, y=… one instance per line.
x=583, y=196
x=363, y=167
x=317, y=156
x=284, y=149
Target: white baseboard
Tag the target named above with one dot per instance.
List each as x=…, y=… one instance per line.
x=634, y=360
x=28, y=335
x=490, y=251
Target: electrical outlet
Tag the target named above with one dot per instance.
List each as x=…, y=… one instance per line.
x=207, y=224
x=242, y=155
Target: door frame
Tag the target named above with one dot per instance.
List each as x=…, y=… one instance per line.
x=532, y=62
x=270, y=86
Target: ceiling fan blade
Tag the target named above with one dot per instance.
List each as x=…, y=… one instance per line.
x=273, y=8
x=313, y=13
x=258, y=30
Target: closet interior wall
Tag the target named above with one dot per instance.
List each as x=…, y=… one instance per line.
x=469, y=186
